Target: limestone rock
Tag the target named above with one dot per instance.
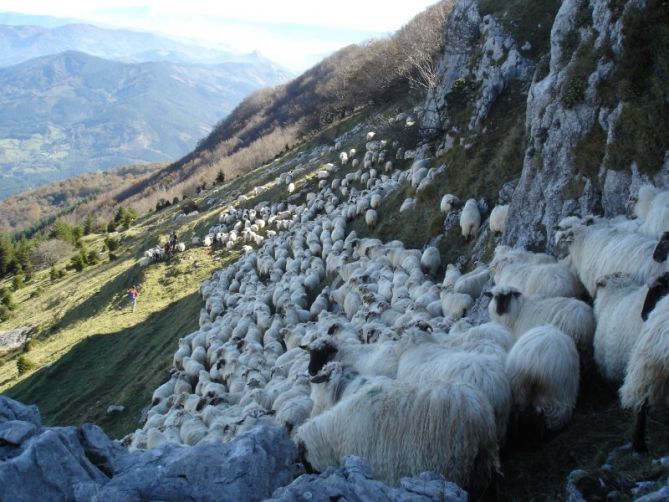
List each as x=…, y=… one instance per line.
x=354, y=481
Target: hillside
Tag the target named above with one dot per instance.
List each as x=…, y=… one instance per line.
x=71, y=113
x=330, y=233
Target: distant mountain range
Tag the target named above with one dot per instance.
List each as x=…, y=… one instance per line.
x=21, y=43
x=69, y=113
x=78, y=98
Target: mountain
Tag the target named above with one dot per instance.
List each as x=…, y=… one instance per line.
x=555, y=109
x=69, y=113
x=18, y=18
x=19, y=43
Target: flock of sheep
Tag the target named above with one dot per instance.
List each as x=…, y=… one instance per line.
x=359, y=346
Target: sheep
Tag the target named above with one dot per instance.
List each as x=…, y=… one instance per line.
x=343, y=157
x=371, y=218
x=646, y=379
x=619, y=302
x=370, y=135
x=652, y=209
x=402, y=430
x=599, y=250
x=431, y=363
x=470, y=219
x=455, y=305
x=519, y=255
x=448, y=203
x=497, y=220
x=430, y=260
x=544, y=279
x=371, y=359
x=520, y=313
x=452, y=275
x=543, y=370
x=335, y=382
x=180, y=247
x=408, y=204
x=473, y=282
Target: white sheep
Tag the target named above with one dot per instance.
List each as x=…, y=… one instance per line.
x=473, y=282
x=520, y=313
x=402, y=430
x=646, y=384
x=430, y=363
x=543, y=369
x=652, y=208
x=370, y=135
x=519, y=255
x=455, y=305
x=452, y=274
x=408, y=204
x=599, y=250
x=448, y=203
x=498, y=218
x=618, y=304
x=430, y=260
x=371, y=218
x=543, y=279
x=470, y=219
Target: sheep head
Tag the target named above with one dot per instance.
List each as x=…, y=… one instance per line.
x=656, y=291
x=662, y=249
x=321, y=352
x=502, y=296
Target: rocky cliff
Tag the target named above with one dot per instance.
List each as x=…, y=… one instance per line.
x=595, y=112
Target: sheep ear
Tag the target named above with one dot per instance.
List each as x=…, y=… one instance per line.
x=488, y=294
x=304, y=347
x=516, y=293
x=320, y=378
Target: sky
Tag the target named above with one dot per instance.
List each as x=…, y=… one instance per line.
x=294, y=33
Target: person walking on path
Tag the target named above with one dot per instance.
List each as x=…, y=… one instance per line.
x=133, y=293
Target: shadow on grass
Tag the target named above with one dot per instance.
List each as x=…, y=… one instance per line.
x=119, y=368
x=112, y=292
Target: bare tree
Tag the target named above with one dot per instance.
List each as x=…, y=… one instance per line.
x=48, y=253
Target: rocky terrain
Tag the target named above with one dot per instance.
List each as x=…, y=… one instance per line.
x=370, y=245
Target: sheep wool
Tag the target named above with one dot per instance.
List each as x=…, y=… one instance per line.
x=402, y=430
x=470, y=219
x=498, y=219
x=543, y=369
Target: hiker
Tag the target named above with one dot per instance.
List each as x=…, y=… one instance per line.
x=173, y=239
x=133, y=293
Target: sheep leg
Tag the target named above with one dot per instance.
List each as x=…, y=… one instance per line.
x=302, y=457
x=639, y=444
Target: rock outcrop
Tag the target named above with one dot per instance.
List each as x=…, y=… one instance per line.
x=354, y=481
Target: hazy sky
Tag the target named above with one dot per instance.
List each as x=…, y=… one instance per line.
x=295, y=33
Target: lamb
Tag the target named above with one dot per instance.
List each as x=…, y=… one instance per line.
x=619, y=302
x=646, y=379
x=470, y=220
x=520, y=313
x=497, y=220
x=543, y=370
x=402, y=430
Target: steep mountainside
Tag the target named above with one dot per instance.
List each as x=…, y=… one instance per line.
x=70, y=113
x=333, y=236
